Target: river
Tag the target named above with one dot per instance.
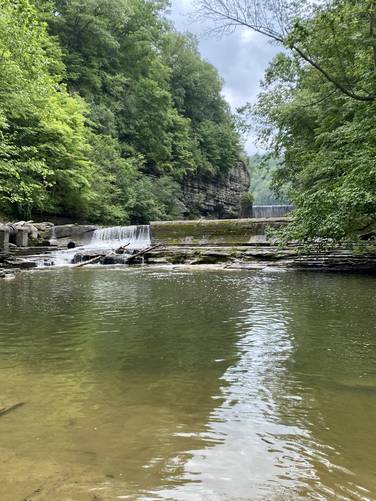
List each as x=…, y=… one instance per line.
x=189, y=385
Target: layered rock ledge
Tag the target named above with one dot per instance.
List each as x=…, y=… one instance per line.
x=216, y=197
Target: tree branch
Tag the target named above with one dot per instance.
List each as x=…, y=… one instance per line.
x=228, y=14
x=336, y=83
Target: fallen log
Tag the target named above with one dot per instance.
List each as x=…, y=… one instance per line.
x=89, y=261
x=142, y=252
x=131, y=257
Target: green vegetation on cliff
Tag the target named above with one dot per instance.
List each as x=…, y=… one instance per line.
x=104, y=108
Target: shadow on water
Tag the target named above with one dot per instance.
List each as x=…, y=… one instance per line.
x=188, y=385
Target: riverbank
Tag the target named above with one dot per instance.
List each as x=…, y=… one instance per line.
x=228, y=244
x=225, y=257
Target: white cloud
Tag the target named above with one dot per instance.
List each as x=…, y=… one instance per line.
x=246, y=35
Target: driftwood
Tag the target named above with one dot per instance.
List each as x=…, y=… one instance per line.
x=143, y=252
x=10, y=408
x=121, y=250
x=89, y=261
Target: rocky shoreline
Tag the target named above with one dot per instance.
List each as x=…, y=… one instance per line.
x=265, y=256
x=240, y=244
x=226, y=257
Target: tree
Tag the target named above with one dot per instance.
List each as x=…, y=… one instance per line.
x=325, y=137
x=44, y=162
x=99, y=117
x=150, y=93
x=289, y=23
x=261, y=169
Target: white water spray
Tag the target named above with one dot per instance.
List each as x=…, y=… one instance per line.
x=135, y=237
x=106, y=240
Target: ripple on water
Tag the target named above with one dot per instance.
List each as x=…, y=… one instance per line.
x=147, y=384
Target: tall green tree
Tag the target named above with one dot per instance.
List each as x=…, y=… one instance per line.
x=126, y=60
x=317, y=109
x=99, y=117
x=44, y=150
x=326, y=136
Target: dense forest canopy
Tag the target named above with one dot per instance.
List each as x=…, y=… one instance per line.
x=317, y=109
x=104, y=108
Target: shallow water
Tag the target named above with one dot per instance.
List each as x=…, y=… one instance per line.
x=188, y=385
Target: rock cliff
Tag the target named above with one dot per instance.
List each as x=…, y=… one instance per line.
x=216, y=197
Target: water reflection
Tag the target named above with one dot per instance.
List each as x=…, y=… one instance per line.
x=181, y=385
x=118, y=371
x=288, y=429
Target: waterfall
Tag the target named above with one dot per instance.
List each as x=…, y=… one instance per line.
x=114, y=237
x=104, y=239
x=266, y=211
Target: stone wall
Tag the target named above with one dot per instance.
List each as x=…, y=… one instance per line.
x=218, y=197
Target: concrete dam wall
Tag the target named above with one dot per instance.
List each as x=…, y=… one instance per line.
x=214, y=232
x=261, y=211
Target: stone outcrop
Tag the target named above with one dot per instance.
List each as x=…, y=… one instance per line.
x=61, y=235
x=216, y=197
x=260, y=257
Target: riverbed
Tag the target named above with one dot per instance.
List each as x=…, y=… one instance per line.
x=190, y=385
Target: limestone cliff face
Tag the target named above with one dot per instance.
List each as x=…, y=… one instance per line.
x=216, y=197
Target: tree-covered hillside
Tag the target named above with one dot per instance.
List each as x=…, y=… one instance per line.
x=104, y=108
x=317, y=108
x=263, y=170
x=325, y=127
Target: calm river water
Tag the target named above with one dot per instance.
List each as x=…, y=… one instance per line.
x=187, y=385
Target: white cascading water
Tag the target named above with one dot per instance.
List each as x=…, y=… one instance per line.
x=106, y=239
x=114, y=237
x=268, y=211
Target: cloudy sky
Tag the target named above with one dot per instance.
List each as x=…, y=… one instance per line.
x=240, y=58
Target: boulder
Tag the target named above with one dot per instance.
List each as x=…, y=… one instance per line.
x=114, y=258
x=80, y=234
x=84, y=255
x=43, y=226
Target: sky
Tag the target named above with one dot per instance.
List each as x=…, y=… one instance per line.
x=240, y=58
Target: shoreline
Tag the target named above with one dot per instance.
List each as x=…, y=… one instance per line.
x=205, y=257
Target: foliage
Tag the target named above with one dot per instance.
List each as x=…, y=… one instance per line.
x=150, y=92
x=104, y=109
x=326, y=136
x=295, y=24
x=43, y=143
x=262, y=169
